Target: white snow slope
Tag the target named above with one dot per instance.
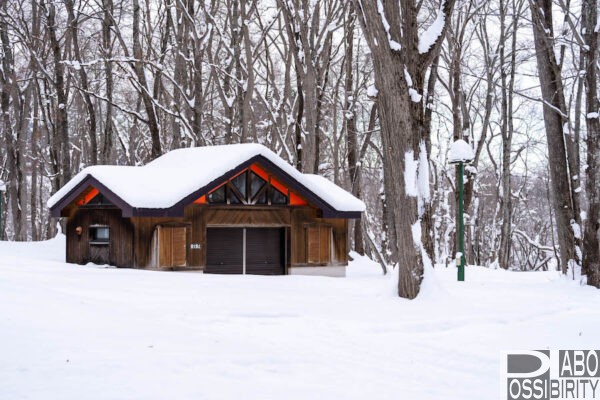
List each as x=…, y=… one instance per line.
x=86, y=332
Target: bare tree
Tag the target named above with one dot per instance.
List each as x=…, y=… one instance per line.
x=401, y=60
x=556, y=123
x=591, y=243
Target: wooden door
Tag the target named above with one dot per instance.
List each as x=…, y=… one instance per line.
x=318, y=240
x=172, y=246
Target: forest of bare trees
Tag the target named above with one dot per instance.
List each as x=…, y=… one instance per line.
x=369, y=93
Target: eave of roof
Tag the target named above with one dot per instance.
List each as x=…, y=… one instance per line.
x=177, y=210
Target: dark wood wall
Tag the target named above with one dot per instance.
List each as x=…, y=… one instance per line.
x=144, y=228
x=120, y=247
x=305, y=217
x=132, y=238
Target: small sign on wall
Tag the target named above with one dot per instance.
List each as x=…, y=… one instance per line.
x=195, y=246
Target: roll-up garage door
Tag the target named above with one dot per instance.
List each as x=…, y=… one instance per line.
x=263, y=248
x=264, y=251
x=224, y=250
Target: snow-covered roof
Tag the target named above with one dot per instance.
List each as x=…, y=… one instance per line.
x=461, y=151
x=169, y=179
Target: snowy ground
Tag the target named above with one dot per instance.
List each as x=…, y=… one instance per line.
x=83, y=332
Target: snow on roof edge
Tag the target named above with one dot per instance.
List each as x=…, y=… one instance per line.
x=140, y=186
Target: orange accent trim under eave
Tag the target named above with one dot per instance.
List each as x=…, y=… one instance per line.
x=87, y=197
x=201, y=200
x=295, y=200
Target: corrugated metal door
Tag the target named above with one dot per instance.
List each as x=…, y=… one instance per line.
x=264, y=251
x=258, y=251
x=224, y=251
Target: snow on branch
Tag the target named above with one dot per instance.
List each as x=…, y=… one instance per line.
x=431, y=34
x=416, y=175
x=386, y=25
x=534, y=243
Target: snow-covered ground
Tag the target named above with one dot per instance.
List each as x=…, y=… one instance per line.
x=86, y=332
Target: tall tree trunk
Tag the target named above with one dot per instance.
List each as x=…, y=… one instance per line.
x=507, y=128
x=107, y=142
x=248, y=122
x=555, y=121
x=591, y=243
x=61, y=120
x=35, y=163
x=400, y=65
x=350, y=124
x=8, y=86
x=139, y=68
x=83, y=78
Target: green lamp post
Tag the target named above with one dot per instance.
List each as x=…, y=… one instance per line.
x=2, y=190
x=461, y=153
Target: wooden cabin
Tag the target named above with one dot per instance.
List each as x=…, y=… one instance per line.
x=235, y=209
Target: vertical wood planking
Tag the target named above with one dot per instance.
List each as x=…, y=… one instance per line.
x=120, y=249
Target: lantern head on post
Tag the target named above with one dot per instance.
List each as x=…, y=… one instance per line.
x=461, y=152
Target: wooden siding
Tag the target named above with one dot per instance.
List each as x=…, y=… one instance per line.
x=197, y=236
x=132, y=243
x=318, y=238
x=247, y=216
x=306, y=218
x=120, y=247
x=148, y=252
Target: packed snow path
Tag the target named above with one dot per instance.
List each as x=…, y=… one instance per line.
x=74, y=332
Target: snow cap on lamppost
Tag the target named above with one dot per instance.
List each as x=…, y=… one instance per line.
x=461, y=152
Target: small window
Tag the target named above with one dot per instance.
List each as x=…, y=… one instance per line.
x=232, y=196
x=248, y=188
x=100, y=235
x=240, y=184
x=262, y=198
x=256, y=184
x=218, y=196
x=100, y=200
x=278, y=197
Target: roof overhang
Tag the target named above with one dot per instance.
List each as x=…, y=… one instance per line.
x=177, y=210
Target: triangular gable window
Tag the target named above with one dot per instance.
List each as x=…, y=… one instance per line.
x=218, y=196
x=99, y=200
x=248, y=188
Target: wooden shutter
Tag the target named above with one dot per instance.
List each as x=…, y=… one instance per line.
x=178, y=247
x=318, y=243
x=172, y=246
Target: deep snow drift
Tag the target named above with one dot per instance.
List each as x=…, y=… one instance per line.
x=86, y=332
